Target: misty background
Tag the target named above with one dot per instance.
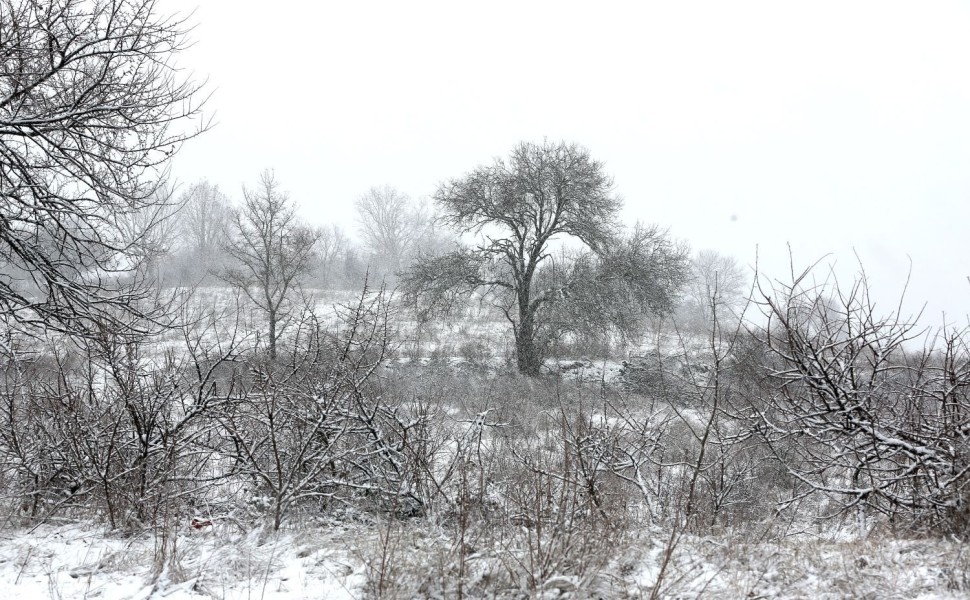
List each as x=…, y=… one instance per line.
x=838, y=130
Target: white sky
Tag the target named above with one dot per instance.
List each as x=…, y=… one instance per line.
x=839, y=128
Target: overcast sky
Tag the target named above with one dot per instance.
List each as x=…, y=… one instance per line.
x=838, y=128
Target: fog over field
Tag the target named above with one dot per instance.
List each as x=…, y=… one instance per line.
x=510, y=300
x=840, y=129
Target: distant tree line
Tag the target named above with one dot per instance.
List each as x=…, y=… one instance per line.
x=391, y=230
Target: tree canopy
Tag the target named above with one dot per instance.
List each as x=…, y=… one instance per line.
x=272, y=251
x=515, y=209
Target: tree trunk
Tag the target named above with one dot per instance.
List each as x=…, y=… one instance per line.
x=527, y=354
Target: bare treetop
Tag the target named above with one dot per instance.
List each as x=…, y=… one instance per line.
x=272, y=251
x=91, y=109
x=541, y=191
x=389, y=224
x=205, y=218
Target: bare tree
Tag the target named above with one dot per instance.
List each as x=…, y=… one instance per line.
x=205, y=218
x=273, y=251
x=545, y=192
x=202, y=231
x=91, y=109
x=331, y=248
x=390, y=225
x=712, y=272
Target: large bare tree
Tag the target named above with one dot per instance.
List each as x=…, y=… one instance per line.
x=518, y=208
x=91, y=110
x=272, y=250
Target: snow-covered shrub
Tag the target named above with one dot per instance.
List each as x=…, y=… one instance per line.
x=857, y=411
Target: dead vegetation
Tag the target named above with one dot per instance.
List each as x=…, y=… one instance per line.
x=708, y=470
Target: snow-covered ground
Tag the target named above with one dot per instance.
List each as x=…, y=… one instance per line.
x=82, y=561
x=357, y=557
x=341, y=561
